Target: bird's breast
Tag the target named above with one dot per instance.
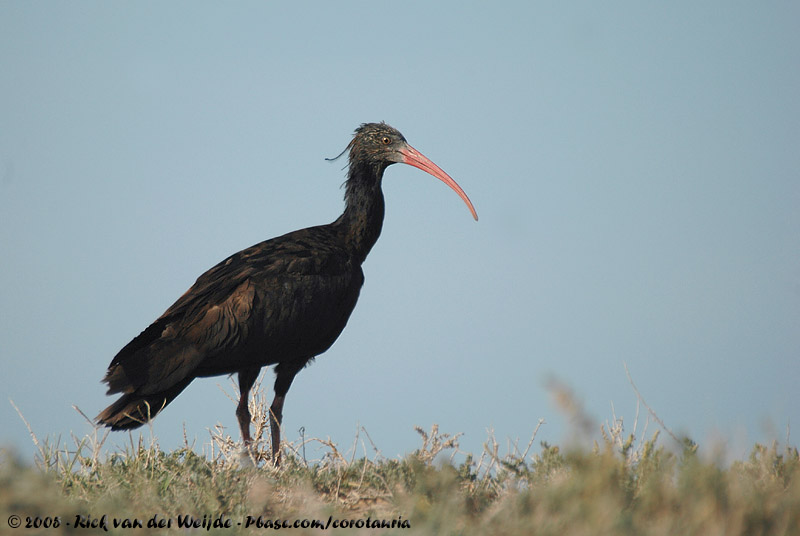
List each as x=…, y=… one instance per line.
x=298, y=317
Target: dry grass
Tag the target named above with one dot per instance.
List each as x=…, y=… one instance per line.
x=622, y=483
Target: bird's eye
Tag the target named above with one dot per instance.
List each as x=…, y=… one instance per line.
x=385, y=140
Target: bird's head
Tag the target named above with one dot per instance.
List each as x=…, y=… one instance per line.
x=379, y=145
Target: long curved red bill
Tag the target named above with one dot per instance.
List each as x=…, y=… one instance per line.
x=419, y=160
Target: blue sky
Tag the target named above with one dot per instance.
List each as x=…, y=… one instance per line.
x=634, y=166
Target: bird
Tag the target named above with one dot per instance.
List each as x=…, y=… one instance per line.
x=281, y=302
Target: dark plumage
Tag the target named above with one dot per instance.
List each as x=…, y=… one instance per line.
x=280, y=302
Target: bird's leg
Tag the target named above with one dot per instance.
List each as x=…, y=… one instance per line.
x=282, y=383
x=275, y=418
x=247, y=378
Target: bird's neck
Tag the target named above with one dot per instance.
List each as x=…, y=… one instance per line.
x=360, y=224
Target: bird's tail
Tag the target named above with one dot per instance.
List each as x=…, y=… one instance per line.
x=134, y=409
